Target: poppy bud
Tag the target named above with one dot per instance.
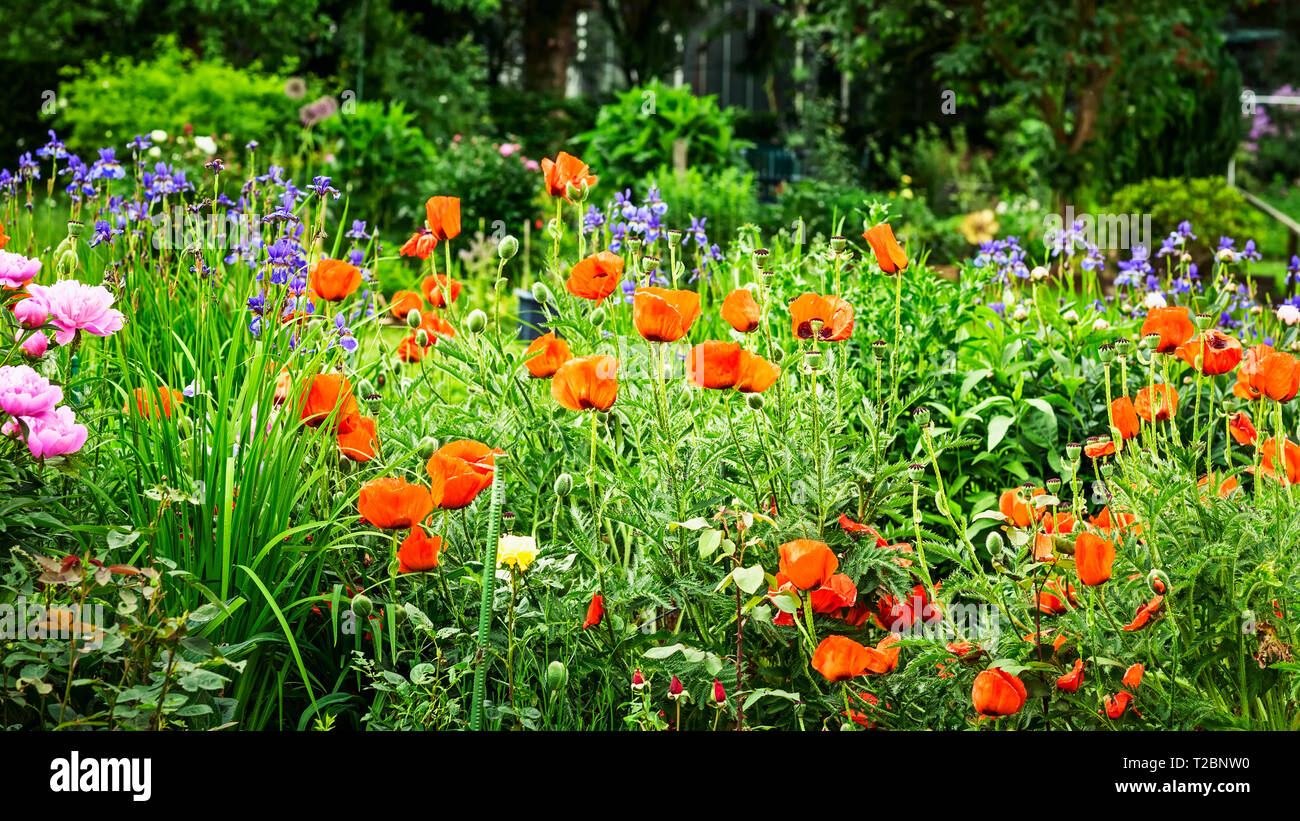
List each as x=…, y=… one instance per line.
x=916, y=472
x=922, y=417
x=426, y=446
x=755, y=401
x=638, y=681
x=1053, y=485
x=760, y=258
x=362, y=606
x=1073, y=450
x=422, y=338
x=557, y=675
x=563, y=485
x=674, y=236
x=500, y=284
x=576, y=192
x=597, y=317
x=649, y=264
x=413, y=319
x=476, y=322
x=1158, y=581
x=993, y=543
x=880, y=348
x=1106, y=353
x=838, y=243
x=675, y=688
x=365, y=388
x=542, y=294
x=507, y=247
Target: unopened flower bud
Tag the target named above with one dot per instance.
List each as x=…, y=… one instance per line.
x=675, y=688
x=597, y=317
x=755, y=401
x=476, y=322
x=426, y=446
x=557, y=675
x=638, y=681
x=719, y=695
x=542, y=294
x=413, y=319
x=563, y=485
x=362, y=606
x=422, y=338
x=507, y=247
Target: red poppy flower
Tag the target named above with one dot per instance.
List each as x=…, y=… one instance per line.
x=840, y=658
x=889, y=254
x=838, y=592
x=418, y=552
x=442, y=216
x=358, y=443
x=1105, y=520
x=1290, y=456
x=410, y=350
x=146, y=405
x=1071, y=681
x=1117, y=704
x=459, y=471
x=1266, y=372
x=1133, y=676
x=835, y=314
x=1098, y=448
x=997, y=693
x=403, y=302
x=1156, y=403
x=664, y=315
x=440, y=290
x=741, y=310
x=597, y=276
x=1145, y=615
x=435, y=326
x=335, y=279
x=883, y=658
x=755, y=374
x=1242, y=429
x=421, y=244
x=545, y=355
x=1124, y=417
x=327, y=393
x=393, y=503
x=564, y=170
x=720, y=365
x=853, y=528
x=595, y=611
x=1052, y=601
x=586, y=383
x=807, y=563
x=1093, y=557
x=4, y=238
x=1219, y=352
x=1012, y=503
x=1174, y=325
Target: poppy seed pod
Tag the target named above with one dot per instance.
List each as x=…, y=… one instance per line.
x=838, y=243
x=362, y=606
x=75, y=228
x=634, y=242
x=563, y=485
x=674, y=236
x=922, y=417
x=880, y=348
x=1204, y=321
x=476, y=322
x=1053, y=485
x=413, y=319
x=1073, y=450
x=649, y=264
x=1107, y=470
x=916, y=472
x=373, y=401
x=766, y=277
x=507, y=247
x=557, y=675
x=1123, y=346
x=1106, y=353
x=760, y=258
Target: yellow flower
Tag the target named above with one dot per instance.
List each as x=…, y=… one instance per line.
x=517, y=552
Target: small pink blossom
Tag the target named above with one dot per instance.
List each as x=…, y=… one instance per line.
x=36, y=344
x=24, y=392
x=57, y=435
x=531, y=165
x=17, y=270
x=507, y=149
x=30, y=313
x=75, y=306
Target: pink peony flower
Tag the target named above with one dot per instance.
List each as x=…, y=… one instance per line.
x=30, y=313
x=24, y=392
x=16, y=270
x=36, y=344
x=75, y=306
x=57, y=435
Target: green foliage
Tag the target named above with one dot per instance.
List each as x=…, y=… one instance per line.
x=636, y=133
x=726, y=198
x=494, y=181
x=1214, y=209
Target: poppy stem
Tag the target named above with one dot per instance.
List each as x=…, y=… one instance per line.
x=485, y=602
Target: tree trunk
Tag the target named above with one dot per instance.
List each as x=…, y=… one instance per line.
x=549, y=40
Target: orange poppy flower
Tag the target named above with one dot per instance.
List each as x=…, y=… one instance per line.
x=393, y=503
x=1052, y=600
x=1146, y=614
x=146, y=405
x=418, y=552
x=335, y=279
x=741, y=310
x=358, y=443
x=545, y=355
x=807, y=563
x=714, y=364
x=838, y=592
x=1226, y=487
x=283, y=385
x=1266, y=372
x=1242, y=429
x=1013, y=505
x=883, y=658
x=1093, y=558
x=840, y=658
x=595, y=611
x=1071, y=681
x=562, y=171
x=835, y=314
x=435, y=326
x=586, y=383
x=459, y=471
x=1057, y=524
x=890, y=256
x=1096, y=449
x=755, y=374
x=409, y=350
x=997, y=693
x=440, y=290
x=1117, y=704
x=1156, y=403
x=1219, y=352
x=1105, y=520
x=663, y=315
x=597, y=276
x=327, y=393
x=421, y=244
x=1174, y=325
x=4, y=238
x=403, y=302
x=1269, y=458
x=1125, y=417
x=442, y=216
x=1133, y=676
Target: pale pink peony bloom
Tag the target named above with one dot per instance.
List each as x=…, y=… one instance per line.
x=24, y=392
x=30, y=313
x=75, y=306
x=57, y=435
x=17, y=270
x=36, y=344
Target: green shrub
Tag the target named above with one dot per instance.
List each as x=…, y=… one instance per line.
x=726, y=198
x=1214, y=208
x=494, y=181
x=635, y=134
x=111, y=100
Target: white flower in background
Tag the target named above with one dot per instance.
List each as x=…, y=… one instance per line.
x=1288, y=314
x=1071, y=316
x=206, y=144
x=1038, y=274
x=1101, y=325
x=1227, y=255
x=155, y=152
x=1021, y=314
x=157, y=135
x=1155, y=299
